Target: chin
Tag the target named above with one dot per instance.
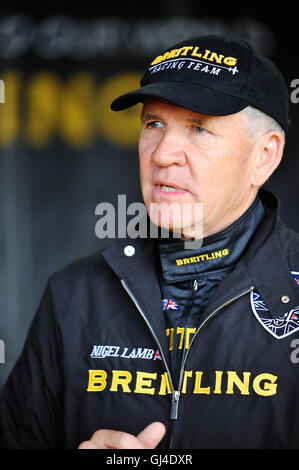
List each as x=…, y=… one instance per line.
x=168, y=218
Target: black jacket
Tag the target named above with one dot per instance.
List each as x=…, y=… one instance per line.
x=97, y=353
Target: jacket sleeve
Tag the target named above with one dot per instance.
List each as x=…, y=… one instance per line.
x=31, y=414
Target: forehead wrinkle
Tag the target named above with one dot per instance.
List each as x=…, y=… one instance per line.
x=185, y=113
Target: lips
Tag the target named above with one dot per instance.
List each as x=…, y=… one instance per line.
x=168, y=187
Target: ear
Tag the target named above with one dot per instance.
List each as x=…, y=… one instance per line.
x=268, y=153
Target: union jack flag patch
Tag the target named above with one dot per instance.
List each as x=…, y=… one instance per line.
x=296, y=276
x=168, y=304
x=281, y=326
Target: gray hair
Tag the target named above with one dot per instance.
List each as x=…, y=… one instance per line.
x=258, y=123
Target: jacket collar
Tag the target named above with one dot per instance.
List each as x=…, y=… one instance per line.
x=136, y=263
x=263, y=265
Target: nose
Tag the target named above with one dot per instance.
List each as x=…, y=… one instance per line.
x=169, y=150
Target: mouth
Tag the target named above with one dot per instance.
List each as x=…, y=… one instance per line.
x=168, y=188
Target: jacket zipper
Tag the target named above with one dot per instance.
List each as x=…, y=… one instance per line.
x=176, y=393
x=152, y=333
x=194, y=336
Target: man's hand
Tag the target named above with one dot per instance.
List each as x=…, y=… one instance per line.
x=149, y=438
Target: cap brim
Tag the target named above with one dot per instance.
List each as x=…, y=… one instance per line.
x=197, y=98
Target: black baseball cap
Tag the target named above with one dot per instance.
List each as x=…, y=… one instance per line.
x=215, y=75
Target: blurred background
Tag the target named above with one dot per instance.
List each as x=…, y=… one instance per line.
x=62, y=151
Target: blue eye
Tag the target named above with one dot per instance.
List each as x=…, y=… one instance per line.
x=199, y=130
x=154, y=124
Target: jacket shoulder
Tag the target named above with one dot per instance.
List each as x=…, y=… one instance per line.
x=90, y=265
x=77, y=282
x=289, y=240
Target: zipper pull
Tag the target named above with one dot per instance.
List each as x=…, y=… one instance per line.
x=195, y=285
x=174, y=404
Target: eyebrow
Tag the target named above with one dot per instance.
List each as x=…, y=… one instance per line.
x=196, y=121
x=148, y=116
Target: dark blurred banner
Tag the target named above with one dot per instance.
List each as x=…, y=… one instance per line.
x=63, y=151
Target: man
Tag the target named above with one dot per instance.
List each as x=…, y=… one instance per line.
x=155, y=343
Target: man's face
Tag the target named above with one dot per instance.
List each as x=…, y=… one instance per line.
x=187, y=157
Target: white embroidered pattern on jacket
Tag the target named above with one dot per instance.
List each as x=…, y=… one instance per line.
x=281, y=326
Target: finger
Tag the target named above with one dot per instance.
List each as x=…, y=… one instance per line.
x=88, y=445
x=152, y=435
x=149, y=438
x=110, y=439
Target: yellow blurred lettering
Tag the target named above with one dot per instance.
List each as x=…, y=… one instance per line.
x=43, y=98
x=76, y=110
x=122, y=127
x=9, y=111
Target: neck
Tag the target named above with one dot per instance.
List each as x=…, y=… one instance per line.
x=207, y=225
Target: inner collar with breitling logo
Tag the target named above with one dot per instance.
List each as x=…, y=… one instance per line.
x=219, y=251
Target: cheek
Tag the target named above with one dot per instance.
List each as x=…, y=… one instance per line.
x=144, y=170
x=145, y=178
x=146, y=143
x=218, y=177
x=144, y=157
